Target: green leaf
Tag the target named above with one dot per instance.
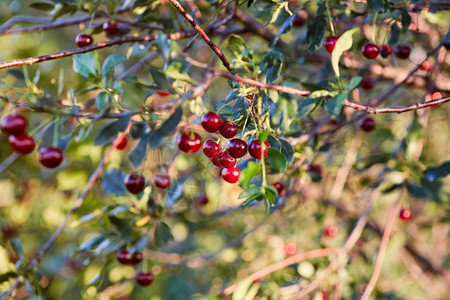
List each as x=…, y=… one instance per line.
x=101, y=100
x=376, y=5
x=6, y=276
x=276, y=160
x=354, y=82
x=307, y=106
x=110, y=62
x=42, y=6
x=163, y=45
x=286, y=149
x=316, y=28
x=157, y=136
x=441, y=171
x=84, y=64
x=162, y=235
x=252, y=190
x=17, y=246
x=406, y=20
x=263, y=135
x=248, y=174
x=138, y=154
x=236, y=44
x=343, y=44
x=415, y=132
x=271, y=193
x=112, y=182
x=92, y=243
x=110, y=131
x=161, y=80
x=394, y=35
x=334, y=104
x=63, y=10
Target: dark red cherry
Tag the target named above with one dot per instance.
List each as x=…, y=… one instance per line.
x=368, y=124
x=367, y=84
x=405, y=215
x=122, y=144
x=426, y=65
x=202, y=200
x=22, y=143
x=255, y=151
x=446, y=45
x=211, y=122
x=161, y=181
x=385, y=51
x=111, y=27
x=123, y=257
x=84, y=40
x=331, y=231
x=134, y=183
x=136, y=258
x=370, y=51
x=211, y=149
x=50, y=157
x=279, y=186
x=402, y=51
x=13, y=124
x=226, y=160
x=237, y=148
x=231, y=175
x=298, y=21
x=228, y=130
x=315, y=168
x=330, y=43
x=216, y=162
x=144, y=279
x=189, y=142
x=163, y=93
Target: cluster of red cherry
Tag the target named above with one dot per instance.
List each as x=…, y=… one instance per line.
x=142, y=278
x=15, y=126
x=135, y=183
x=84, y=39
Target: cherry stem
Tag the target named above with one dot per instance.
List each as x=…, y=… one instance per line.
x=374, y=27
x=263, y=144
x=88, y=31
x=192, y=136
x=56, y=132
x=331, y=20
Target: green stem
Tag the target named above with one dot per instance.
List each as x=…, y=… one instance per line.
x=331, y=20
x=40, y=126
x=263, y=145
x=338, y=80
x=56, y=132
x=374, y=27
x=267, y=205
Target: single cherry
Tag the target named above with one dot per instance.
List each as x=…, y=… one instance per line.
x=367, y=84
x=331, y=231
x=22, y=144
x=13, y=124
x=315, y=169
x=255, y=149
x=368, y=124
x=226, y=160
x=211, y=149
x=189, y=142
x=163, y=93
x=136, y=258
x=202, y=200
x=84, y=40
x=144, y=279
x=330, y=43
x=228, y=130
x=216, y=162
x=161, y=181
x=290, y=249
x=231, y=175
x=426, y=65
x=405, y=215
x=111, y=27
x=122, y=144
x=402, y=51
x=298, y=21
x=279, y=186
x=370, y=51
x=385, y=51
x=123, y=257
x=134, y=183
x=50, y=157
x=237, y=148
x=211, y=122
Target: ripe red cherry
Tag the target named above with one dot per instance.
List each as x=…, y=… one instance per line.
x=161, y=181
x=136, y=258
x=237, y=148
x=279, y=186
x=189, y=142
x=426, y=65
x=370, y=51
x=123, y=257
x=211, y=122
x=385, y=51
x=144, y=279
x=111, y=27
x=368, y=124
x=367, y=84
x=226, y=160
x=255, y=151
x=50, y=157
x=22, y=143
x=84, y=40
x=216, y=162
x=330, y=43
x=331, y=231
x=134, y=183
x=315, y=168
x=402, y=51
x=290, y=249
x=163, y=93
x=228, y=130
x=231, y=175
x=211, y=149
x=202, y=200
x=298, y=21
x=405, y=215
x=122, y=144
x=13, y=124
